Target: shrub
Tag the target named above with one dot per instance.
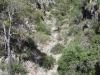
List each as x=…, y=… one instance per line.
x=17, y=67
x=43, y=28
x=60, y=17
x=55, y=12
x=68, y=61
x=57, y=49
x=95, y=40
x=3, y=66
x=40, y=37
x=59, y=38
x=65, y=40
x=89, y=6
x=47, y=62
x=76, y=61
x=50, y=6
x=37, y=15
x=74, y=30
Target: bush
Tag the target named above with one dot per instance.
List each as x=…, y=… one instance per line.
x=50, y=6
x=17, y=67
x=37, y=15
x=47, y=62
x=69, y=59
x=55, y=12
x=43, y=28
x=89, y=6
x=60, y=17
x=3, y=65
x=40, y=37
x=74, y=30
x=57, y=49
x=65, y=40
x=59, y=38
x=77, y=61
x=95, y=40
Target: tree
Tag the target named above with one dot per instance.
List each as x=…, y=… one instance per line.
x=7, y=19
x=7, y=36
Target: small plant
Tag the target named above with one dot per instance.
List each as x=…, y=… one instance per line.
x=17, y=67
x=65, y=40
x=57, y=48
x=47, y=62
x=1, y=51
x=40, y=37
x=89, y=6
x=41, y=26
x=55, y=12
x=37, y=15
x=95, y=40
x=50, y=6
x=3, y=66
x=59, y=38
x=74, y=30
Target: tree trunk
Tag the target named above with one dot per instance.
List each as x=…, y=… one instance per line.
x=8, y=49
x=9, y=59
x=7, y=46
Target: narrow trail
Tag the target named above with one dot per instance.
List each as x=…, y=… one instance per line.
x=47, y=48
x=50, y=44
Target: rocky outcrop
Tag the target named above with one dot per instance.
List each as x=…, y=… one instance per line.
x=89, y=9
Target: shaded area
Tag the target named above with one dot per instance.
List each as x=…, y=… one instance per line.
x=36, y=54
x=97, y=69
x=86, y=14
x=27, y=48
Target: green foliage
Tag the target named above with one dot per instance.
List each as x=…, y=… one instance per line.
x=29, y=52
x=69, y=59
x=8, y=22
x=95, y=42
x=55, y=12
x=50, y=6
x=41, y=27
x=57, y=49
x=17, y=67
x=37, y=15
x=89, y=6
x=47, y=62
x=3, y=66
x=77, y=61
x=65, y=40
x=74, y=60
x=74, y=30
x=59, y=38
x=60, y=17
x=40, y=37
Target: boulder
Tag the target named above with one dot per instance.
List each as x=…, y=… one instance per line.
x=54, y=29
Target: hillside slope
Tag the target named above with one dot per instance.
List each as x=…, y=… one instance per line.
x=49, y=37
